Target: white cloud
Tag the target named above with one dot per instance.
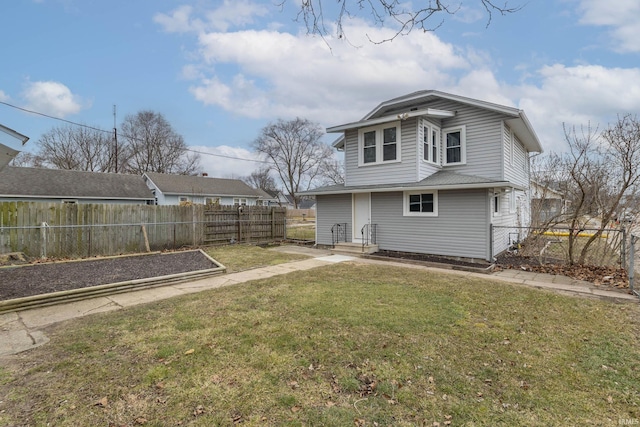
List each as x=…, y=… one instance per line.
x=232, y=13
x=3, y=96
x=179, y=20
x=268, y=74
x=621, y=16
x=225, y=162
x=52, y=98
x=578, y=96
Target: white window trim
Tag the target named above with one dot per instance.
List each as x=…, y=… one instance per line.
x=186, y=199
x=430, y=129
x=379, y=130
x=242, y=201
x=214, y=200
x=405, y=202
x=463, y=145
x=496, y=196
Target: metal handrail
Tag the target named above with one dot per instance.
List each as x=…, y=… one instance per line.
x=337, y=230
x=369, y=232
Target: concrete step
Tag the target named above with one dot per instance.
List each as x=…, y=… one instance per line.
x=354, y=248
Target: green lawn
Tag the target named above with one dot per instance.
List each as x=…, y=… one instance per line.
x=342, y=345
x=242, y=257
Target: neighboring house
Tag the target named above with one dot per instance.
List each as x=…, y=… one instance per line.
x=69, y=186
x=9, y=148
x=546, y=203
x=281, y=199
x=430, y=172
x=267, y=198
x=177, y=189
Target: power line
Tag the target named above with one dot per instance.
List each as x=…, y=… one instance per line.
x=126, y=136
x=52, y=117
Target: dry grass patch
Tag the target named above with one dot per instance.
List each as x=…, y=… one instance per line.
x=243, y=257
x=340, y=345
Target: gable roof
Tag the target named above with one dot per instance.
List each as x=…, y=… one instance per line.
x=441, y=180
x=187, y=185
x=406, y=106
x=70, y=184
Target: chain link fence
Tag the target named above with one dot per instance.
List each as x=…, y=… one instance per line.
x=634, y=263
x=560, y=245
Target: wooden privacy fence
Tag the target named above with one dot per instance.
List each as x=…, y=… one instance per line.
x=79, y=230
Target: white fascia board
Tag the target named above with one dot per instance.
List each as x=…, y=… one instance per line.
x=428, y=112
x=14, y=134
x=451, y=97
x=498, y=184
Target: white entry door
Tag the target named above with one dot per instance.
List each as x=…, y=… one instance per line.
x=361, y=214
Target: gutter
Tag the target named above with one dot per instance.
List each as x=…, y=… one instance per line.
x=495, y=184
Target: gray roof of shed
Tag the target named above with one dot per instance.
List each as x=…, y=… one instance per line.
x=70, y=184
x=441, y=180
x=201, y=185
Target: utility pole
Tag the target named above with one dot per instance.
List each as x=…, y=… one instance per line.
x=115, y=138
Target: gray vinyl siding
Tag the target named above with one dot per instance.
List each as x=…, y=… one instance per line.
x=460, y=229
x=484, y=145
x=507, y=226
x=516, y=159
x=390, y=173
x=332, y=209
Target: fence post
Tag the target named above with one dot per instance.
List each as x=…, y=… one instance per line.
x=623, y=248
x=632, y=251
x=43, y=232
x=632, y=262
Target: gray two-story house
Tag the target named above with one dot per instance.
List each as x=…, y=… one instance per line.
x=430, y=172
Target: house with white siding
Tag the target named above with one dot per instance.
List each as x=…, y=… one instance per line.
x=430, y=172
x=179, y=189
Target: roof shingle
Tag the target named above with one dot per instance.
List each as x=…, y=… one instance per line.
x=201, y=185
x=58, y=183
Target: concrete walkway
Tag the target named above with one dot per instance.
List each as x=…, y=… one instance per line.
x=23, y=330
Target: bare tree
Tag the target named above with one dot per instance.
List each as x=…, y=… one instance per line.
x=296, y=151
x=598, y=172
x=77, y=148
x=153, y=146
x=26, y=159
x=261, y=179
x=332, y=172
x=403, y=17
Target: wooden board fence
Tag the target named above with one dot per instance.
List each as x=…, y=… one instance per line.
x=79, y=230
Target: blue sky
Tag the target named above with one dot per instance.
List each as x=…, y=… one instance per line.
x=219, y=71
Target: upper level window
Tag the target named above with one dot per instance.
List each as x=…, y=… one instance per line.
x=421, y=203
x=455, y=145
x=431, y=144
x=379, y=144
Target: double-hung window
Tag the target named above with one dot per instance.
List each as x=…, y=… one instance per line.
x=431, y=143
x=421, y=203
x=454, y=146
x=379, y=144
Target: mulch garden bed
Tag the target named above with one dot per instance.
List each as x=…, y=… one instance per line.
x=17, y=281
x=613, y=277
